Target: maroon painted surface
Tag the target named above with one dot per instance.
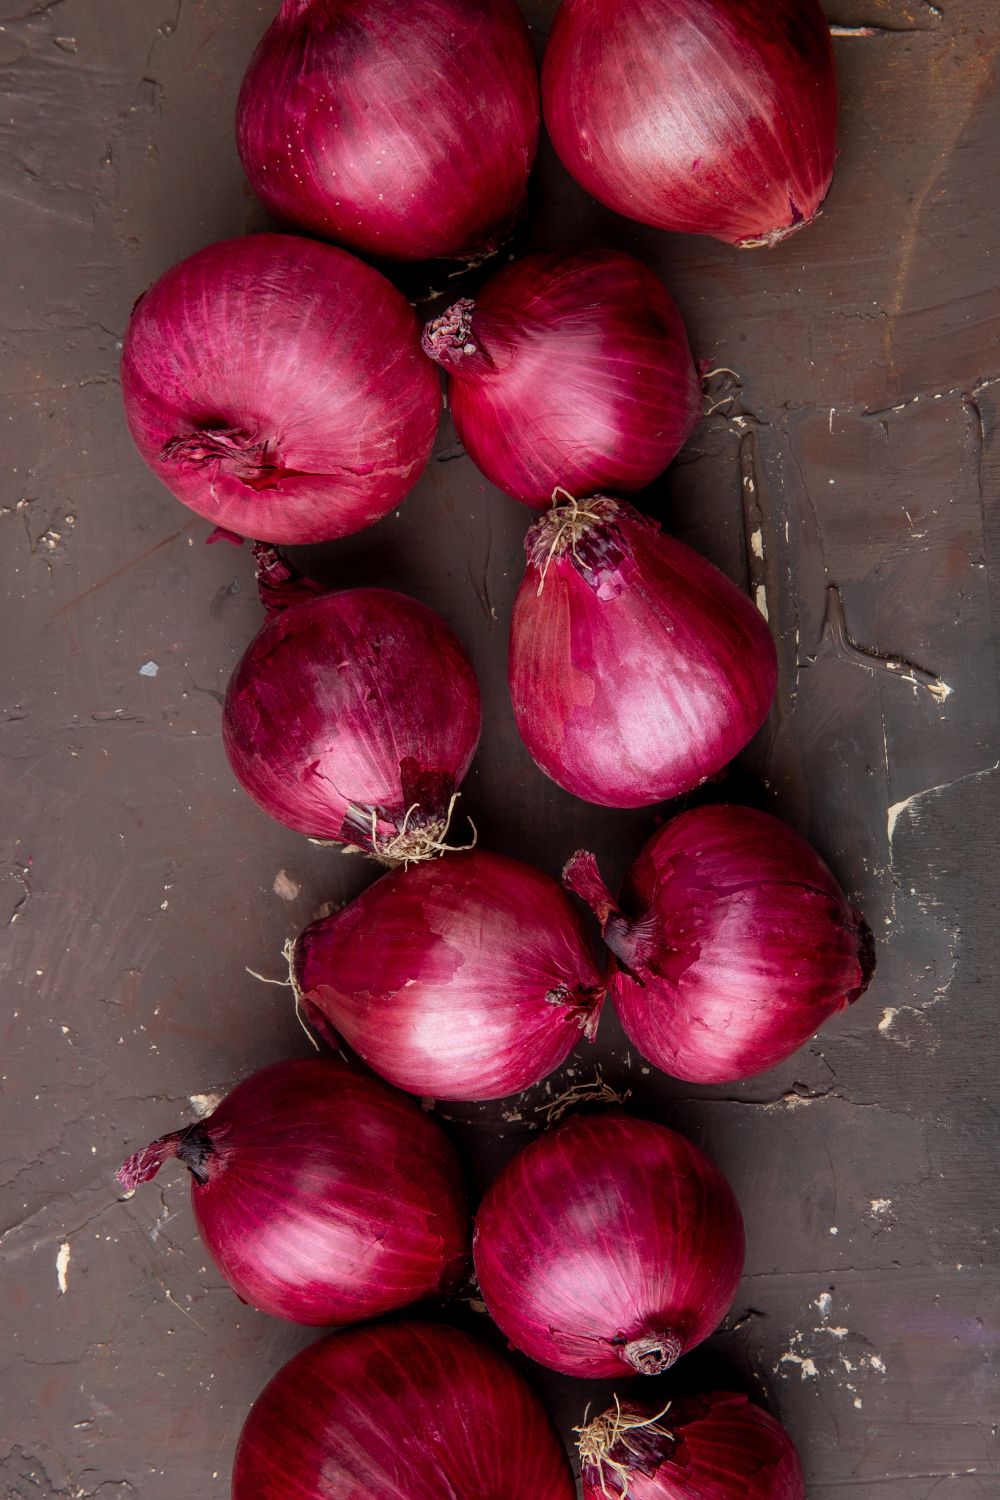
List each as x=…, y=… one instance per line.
x=139, y=882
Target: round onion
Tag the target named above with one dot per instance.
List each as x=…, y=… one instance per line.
x=468, y=978
x=707, y=116
x=569, y=371
x=404, y=1411
x=609, y=1245
x=637, y=670
x=402, y=131
x=711, y=1447
x=277, y=387
x=354, y=717
x=321, y=1196
x=733, y=943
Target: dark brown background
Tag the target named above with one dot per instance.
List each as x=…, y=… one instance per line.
x=139, y=882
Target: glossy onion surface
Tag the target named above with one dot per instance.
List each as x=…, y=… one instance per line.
x=354, y=716
x=277, y=387
x=732, y=943
x=322, y=1196
x=570, y=371
x=706, y=116
x=609, y=1246
x=469, y=977
x=402, y=1411
x=404, y=131
x=637, y=670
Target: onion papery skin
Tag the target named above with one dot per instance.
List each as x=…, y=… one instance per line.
x=570, y=371
x=609, y=1246
x=402, y=1411
x=732, y=943
x=404, y=132
x=354, y=717
x=277, y=387
x=705, y=116
x=716, y=1446
x=637, y=670
x=470, y=977
x=322, y=1196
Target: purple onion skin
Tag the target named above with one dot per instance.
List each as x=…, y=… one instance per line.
x=732, y=943
x=403, y=1411
x=639, y=670
x=404, y=132
x=578, y=374
x=609, y=1246
x=705, y=116
x=470, y=977
x=720, y=1447
x=322, y=1197
x=277, y=387
x=351, y=704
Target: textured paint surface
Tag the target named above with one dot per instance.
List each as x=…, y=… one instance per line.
x=858, y=438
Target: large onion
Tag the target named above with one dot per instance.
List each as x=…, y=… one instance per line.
x=404, y=1411
x=277, y=386
x=321, y=1196
x=609, y=1245
x=467, y=978
x=637, y=670
x=711, y=1447
x=708, y=116
x=401, y=130
x=354, y=716
x=733, y=943
x=571, y=371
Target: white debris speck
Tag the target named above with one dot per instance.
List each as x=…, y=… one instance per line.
x=285, y=886
x=876, y=1363
x=761, y=600
x=62, y=1265
x=204, y=1104
x=824, y=1302
x=888, y=1016
x=149, y=670
x=806, y=1366
x=857, y=1402
x=834, y=1229
x=757, y=543
x=879, y=1205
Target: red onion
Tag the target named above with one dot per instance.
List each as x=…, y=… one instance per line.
x=468, y=978
x=609, y=1245
x=568, y=371
x=402, y=131
x=403, y=1411
x=321, y=1196
x=708, y=116
x=354, y=717
x=711, y=1447
x=637, y=670
x=733, y=943
x=277, y=387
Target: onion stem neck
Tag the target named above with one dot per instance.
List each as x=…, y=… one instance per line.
x=620, y=1438
x=653, y=1353
x=452, y=341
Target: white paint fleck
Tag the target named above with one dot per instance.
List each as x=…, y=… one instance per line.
x=149, y=670
x=876, y=1363
x=834, y=1229
x=857, y=1402
x=757, y=543
x=838, y=1333
x=62, y=1266
x=879, y=1205
x=286, y=886
x=204, y=1104
x=888, y=1016
x=761, y=600
x=846, y=1364
x=824, y=1302
x=806, y=1366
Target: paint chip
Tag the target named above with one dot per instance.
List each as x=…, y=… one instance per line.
x=62, y=1265
x=888, y=1016
x=285, y=886
x=149, y=670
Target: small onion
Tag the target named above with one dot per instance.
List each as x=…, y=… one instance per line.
x=277, y=387
x=354, y=717
x=715, y=1446
x=732, y=943
x=637, y=670
x=321, y=1196
x=401, y=131
x=402, y=1411
x=609, y=1245
x=468, y=978
x=568, y=371
x=707, y=116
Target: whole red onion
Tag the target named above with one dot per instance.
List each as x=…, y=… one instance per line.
x=401, y=1411
x=277, y=387
x=321, y=1196
x=354, y=717
x=710, y=1447
x=468, y=978
x=609, y=1245
x=402, y=131
x=732, y=940
x=637, y=670
x=569, y=371
x=708, y=116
